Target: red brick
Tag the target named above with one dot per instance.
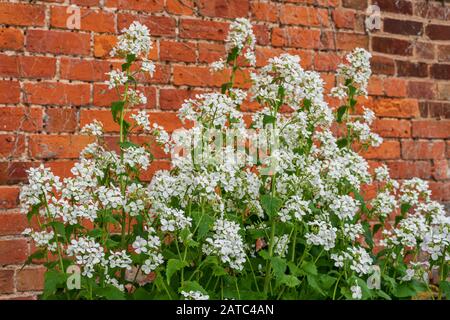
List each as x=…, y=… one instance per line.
x=326, y=61
x=389, y=149
x=412, y=69
x=409, y=169
x=421, y=90
x=265, y=11
x=382, y=65
x=430, y=109
x=177, y=51
x=392, y=46
x=396, y=108
x=223, y=8
x=6, y=281
x=343, y=18
x=440, y=191
x=403, y=27
x=423, y=149
x=85, y=70
x=210, y=52
x=9, y=91
x=20, y=14
x=440, y=170
x=438, y=32
x=431, y=129
x=263, y=54
x=90, y=20
x=11, y=39
x=375, y=87
x=48, y=93
x=158, y=25
x=424, y=50
x=355, y=4
x=262, y=34
x=172, y=99
x=440, y=71
x=296, y=37
x=205, y=30
x=13, y=251
x=202, y=77
x=395, y=87
x=21, y=118
x=12, y=223
x=392, y=128
x=27, y=66
x=309, y=16
x=103, y=44
x=138, y=5
x=397, y=6
x=55, y=146
x=184, y=7
x=58, y=42
x=9, y=198
x=350, y=41
x=13, y=173
x=11, y=145
x=443, y=53
x=30, y=279
x=61, y=120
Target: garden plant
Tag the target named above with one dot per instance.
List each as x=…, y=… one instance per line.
x=268, y=206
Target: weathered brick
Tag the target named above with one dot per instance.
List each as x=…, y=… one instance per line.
x=200, y=29
x=326, y=61
x=61, y=120
x=438, y=32
x=58, y=42
x=12, y=224
x=177, y=51
x=265, y=11
x=397, y=6
x=440, y=169
x=90, y=20
x=21, y=118
x=421, y=90
x=9, y=198
x=9, y=91
x=56, y=146
x=210, y=52
x=30, y=279
x=159, y=25
x=443, y=53
x=185, y=7
x=172, y=99
x=392, y=46
x=223, y=8
x=396, y=108
x=389, y=149
x=308, y=16
x=27, y=66
x=138, y=5
x=411, y=69
x=433, y=109
x=355, y=4
x=11, y=39
x=12, y=173
x=295, y=37
x=431, y=129
x=424, y=50
x=440, y=71
x=409, y=169
x=48, y=93
x=103, y=97
x=349, y=41
x=20, y=14
x=423, y=149
x=392, y=128
x=13, y=251
x=394, y=87
x=6, y=280
x=12, y=145
x=344, y=19
x=404, y=27
x=103, y=45
x=85, y=70
x=382, y=65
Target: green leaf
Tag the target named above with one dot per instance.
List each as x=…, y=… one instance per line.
x=268, y=119
x=203, y=222
x=233, y=54
x=404, y=290
x=312, y=281
x=309, y=267
x=271, y=205
x=279, y=266
x=192, y=286
x=340, y=113
x=383, y=295
x=52, y=281
x=444, y=286
x=116, y=109
x=39, y=254
x=142, y=294
x=289, y=280
x=110, y=293
x=342, y=142
x=174, y=265
x=405, y=207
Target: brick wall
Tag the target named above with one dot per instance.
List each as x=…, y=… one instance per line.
x=52, y=82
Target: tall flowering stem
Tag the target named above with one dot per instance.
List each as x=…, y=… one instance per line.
x=271, y=208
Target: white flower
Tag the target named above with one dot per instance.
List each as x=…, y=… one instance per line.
x=368, y=115
x=218, y=65
x=356, y=292
x=281, y=245
x=116, y=79
x=321, y=233
x=88, y=254
x=134, y=40
x=194, y=295
x=226, y=243
x=142, y=119
x=136, y=156
x=94, y=129
x=148, y=66
x=345, y=207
